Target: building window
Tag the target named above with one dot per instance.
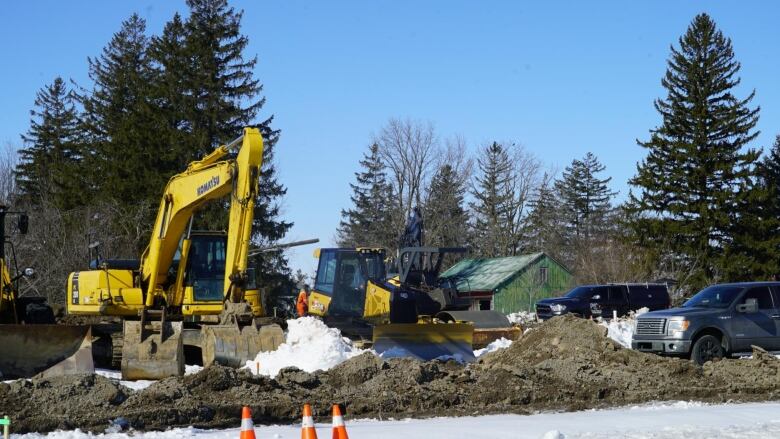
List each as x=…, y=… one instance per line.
x=542, y=275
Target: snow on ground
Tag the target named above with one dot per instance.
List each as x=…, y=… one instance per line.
x=622, y=328
x=501, y=343
x=308, y=345
x=652, y=421
x=521, y=318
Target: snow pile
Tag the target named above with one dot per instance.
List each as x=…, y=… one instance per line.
x=521, y=318
x=309, y=345
x=495, y=345
x=621, y=329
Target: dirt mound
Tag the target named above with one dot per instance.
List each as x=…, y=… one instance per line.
x=45, y=404
x=564, y=364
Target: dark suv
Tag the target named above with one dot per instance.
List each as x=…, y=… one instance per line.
x=604, y=300
x=720, y=320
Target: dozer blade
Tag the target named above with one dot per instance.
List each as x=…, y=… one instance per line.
x=489, y=326
x=425, y=341
x=49, y=350
x=152, y=351
x=230, y=346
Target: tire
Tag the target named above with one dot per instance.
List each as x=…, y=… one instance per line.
x=707, y=348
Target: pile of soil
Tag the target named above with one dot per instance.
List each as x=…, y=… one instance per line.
x=564, y=364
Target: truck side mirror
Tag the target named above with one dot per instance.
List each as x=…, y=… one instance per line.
x=750, y=306
x=24, y=223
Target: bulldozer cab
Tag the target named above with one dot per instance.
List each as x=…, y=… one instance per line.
x=342, y=277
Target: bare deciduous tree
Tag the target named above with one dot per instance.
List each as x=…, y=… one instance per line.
x=410, y=150
x=8, y=162
x=526, y=179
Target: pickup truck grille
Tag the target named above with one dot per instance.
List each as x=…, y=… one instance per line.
x=543, y=310
x=650, y=326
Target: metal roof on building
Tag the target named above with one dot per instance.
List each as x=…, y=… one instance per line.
x=488, y=274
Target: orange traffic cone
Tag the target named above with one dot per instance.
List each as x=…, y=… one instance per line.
x=339, y=430
x=247, y=427
x=307, y=425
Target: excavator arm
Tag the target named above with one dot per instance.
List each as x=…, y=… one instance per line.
x=214, y=177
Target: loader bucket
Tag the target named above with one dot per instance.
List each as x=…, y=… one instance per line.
x=425, y=341
x=152, y=351
x=230, y=346
x=48, y=350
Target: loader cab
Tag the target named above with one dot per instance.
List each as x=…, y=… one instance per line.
x=343, y=275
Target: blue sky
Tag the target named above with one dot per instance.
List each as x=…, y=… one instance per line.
x=560, y=78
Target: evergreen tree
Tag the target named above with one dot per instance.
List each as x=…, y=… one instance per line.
x=120, y=122
x=226, y=94
x=48, y=166
x=445, y=218
x=172, y=93
x=369, y=222
x=225, y=98
x=754, y=249
x=689, y=183
x=543, y=225
x=585, y=198
x=492, y=200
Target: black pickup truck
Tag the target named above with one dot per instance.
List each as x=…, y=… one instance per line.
x=602, y=300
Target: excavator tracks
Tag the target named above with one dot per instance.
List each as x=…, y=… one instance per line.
x=117, y=341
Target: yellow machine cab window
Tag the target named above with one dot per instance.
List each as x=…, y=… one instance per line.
x=206, y=267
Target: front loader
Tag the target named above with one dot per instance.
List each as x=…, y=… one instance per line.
x=30, y=342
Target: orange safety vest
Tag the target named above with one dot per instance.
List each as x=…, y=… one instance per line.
x=302, y=304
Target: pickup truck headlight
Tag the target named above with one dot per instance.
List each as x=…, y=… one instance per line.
x=557, y=308
x=676, y=327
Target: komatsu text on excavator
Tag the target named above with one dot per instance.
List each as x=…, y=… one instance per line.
x=190, y=291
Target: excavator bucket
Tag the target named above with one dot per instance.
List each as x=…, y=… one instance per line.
x=230, y=346
x=425, y=341
x=46, y=350
x=152, y=350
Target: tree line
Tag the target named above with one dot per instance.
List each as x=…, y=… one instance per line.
x=97, y=156
x=703, y=205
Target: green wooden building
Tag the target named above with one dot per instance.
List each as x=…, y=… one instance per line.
x=512, y=283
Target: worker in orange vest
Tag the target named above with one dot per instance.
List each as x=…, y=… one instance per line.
x=302, y=303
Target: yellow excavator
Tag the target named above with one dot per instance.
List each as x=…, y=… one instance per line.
x=191, y=292
x=30, y=342
x=413, y=313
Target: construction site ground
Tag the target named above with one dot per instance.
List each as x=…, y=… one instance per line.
x=565, y=364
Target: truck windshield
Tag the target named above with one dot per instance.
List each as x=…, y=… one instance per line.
x=581, y=293
x=716, y=296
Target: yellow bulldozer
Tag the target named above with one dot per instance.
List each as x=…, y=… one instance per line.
x=191, y=292
x=413, y=313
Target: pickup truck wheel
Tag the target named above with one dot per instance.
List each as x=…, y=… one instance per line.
x=707, y=348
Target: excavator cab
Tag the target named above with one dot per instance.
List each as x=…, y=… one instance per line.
x=205, y=271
